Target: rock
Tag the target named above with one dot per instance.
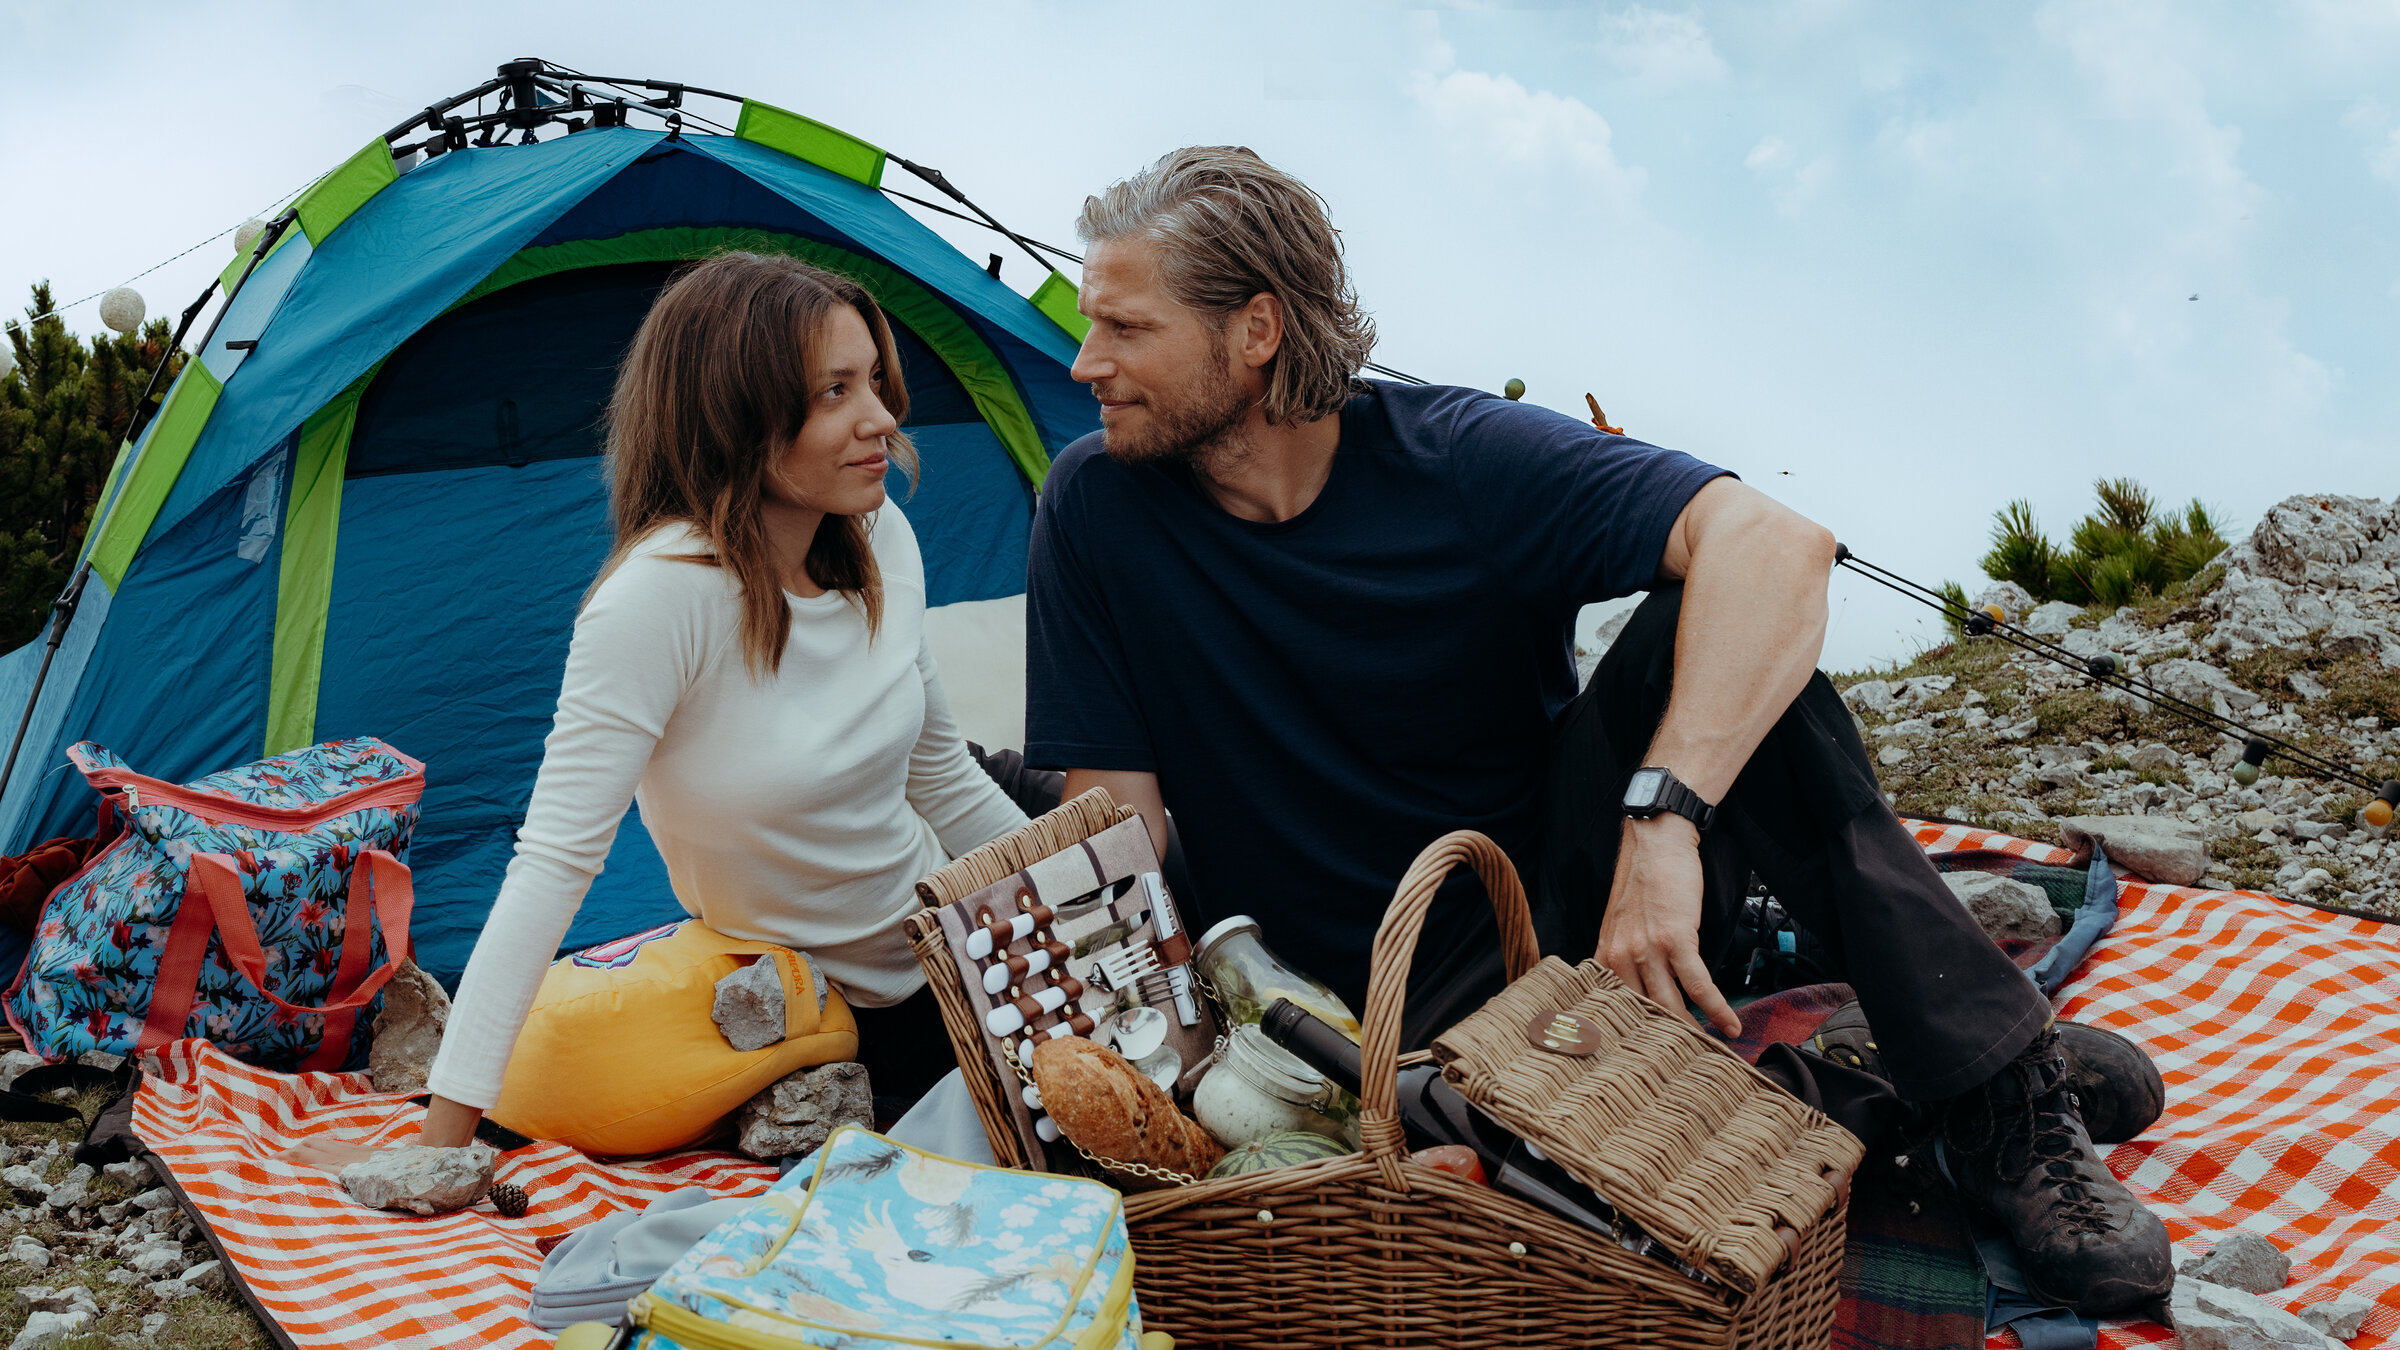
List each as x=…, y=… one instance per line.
x=2261, y=820
x=49, y=1328
x=16, y=1062
x=795, y=1114
x=2051, y=620
x=167, y=1291
x=2242, y=1260
x=151, y=1201
x=2005, y=908
x=25, y=1181
x=420, y=1179
x=68, y=1191
x=2154, y=759
x=208, y=1275
x=408, y=1031
x=2014, y=600
x=25, y=1250
x=2349, y=637
x=749, y=1006
x=152, y=1325
x=1892, y=754
x=2311, y=881
x=2155, y=847
x=163, y=1260
x=133, y=1172
x=2201, y=683
x=1919, y=688
x=2317, y=829
x=2213, y=1317
x=1873, y=696
x=37, y=1298
x=122, y=1276
x=2340, y=1318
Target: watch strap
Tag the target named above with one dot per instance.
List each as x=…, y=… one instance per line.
x=1674, y=796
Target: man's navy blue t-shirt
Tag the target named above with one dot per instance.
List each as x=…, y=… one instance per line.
x=1322, y=697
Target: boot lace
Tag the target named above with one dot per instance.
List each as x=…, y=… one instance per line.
x=2032, y=1134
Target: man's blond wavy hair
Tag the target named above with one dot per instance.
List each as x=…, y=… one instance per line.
x=1230, y=226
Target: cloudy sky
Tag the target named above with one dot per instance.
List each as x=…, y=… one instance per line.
x=1895, y=263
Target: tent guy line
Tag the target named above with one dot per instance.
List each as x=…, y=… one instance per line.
x=2107, y=670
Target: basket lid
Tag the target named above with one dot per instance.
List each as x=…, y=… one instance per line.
x=1670, y=1127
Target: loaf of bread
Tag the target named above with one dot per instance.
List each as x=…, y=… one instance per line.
x=1107, y=1106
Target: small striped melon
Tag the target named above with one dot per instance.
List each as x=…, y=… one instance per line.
x=1277, y=1150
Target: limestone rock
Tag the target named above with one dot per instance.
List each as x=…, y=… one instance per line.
x=1873, y=696
x=408, y=1031
x=2154, y=759
x=152, y=1325
x=2155, y=847
x=158, y=1262
x=2242, y=1260
x=2201, y=683
x=49, y=1328
x=420, y=1179
x=2340, y=1318
x=38, y=1298
x=2014, y=600
x=14, y=1063
x=207, y=1275
x=749, y=1006
x=131, y=1172
x=25, y=1250
x=2213, y=1317
x=2051, y=620
x=794, y=1115
x=2005, y=908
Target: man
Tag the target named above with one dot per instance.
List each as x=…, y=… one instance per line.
x=1326, y=621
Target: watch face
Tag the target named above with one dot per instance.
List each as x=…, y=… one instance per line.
x=1641, y=791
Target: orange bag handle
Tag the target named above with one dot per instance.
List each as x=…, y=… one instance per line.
x=223, y=908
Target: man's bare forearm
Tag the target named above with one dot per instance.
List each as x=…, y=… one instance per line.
x=1751, y=631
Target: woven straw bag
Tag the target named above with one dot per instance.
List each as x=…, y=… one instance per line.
x=1736, y=1178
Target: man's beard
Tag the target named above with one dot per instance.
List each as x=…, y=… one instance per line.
x=1194, y=429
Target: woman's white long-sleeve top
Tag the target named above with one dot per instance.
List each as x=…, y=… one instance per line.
x=797, y=807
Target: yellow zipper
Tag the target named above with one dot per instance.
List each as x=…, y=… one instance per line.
x=697, y=1332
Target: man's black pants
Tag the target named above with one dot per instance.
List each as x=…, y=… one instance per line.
x=1806, y=815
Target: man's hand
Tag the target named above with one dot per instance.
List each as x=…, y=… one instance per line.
x=1650, y=935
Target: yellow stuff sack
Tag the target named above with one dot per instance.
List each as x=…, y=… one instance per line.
x=620, y=1055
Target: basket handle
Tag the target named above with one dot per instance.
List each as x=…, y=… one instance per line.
x=1380, y=1135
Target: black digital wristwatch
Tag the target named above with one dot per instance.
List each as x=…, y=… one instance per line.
x=1653, y=791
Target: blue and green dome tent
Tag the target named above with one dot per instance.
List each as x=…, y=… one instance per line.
x=371, y=502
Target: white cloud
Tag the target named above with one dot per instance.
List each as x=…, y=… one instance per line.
x=1659, y=50
x=1493, y=114
x=1791, y=183
x=1771, y=153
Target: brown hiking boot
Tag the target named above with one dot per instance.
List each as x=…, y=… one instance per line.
x=2117, y=1089
x=2016, y=1146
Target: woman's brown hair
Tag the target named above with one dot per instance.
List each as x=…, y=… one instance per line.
x=714, y=386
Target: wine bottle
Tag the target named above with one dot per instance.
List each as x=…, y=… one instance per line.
x=1432, y=1112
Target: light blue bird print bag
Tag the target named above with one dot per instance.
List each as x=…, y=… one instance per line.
x=880, y=1245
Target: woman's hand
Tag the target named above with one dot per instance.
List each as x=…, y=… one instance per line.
x=447, y=1124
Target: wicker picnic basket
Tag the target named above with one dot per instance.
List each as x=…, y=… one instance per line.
x=1741, y=1182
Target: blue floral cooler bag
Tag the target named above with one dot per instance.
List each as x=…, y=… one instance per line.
x=262, y=908
x=880, y=1246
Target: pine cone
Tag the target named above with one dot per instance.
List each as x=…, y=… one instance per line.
x=509, y=1199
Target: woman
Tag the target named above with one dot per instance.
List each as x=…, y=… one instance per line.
x=751, y=668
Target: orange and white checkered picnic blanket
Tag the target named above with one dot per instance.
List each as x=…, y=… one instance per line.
x=331, y=1272
x=2275, y=1028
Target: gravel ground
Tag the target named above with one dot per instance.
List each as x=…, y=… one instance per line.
x=122, y=1253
